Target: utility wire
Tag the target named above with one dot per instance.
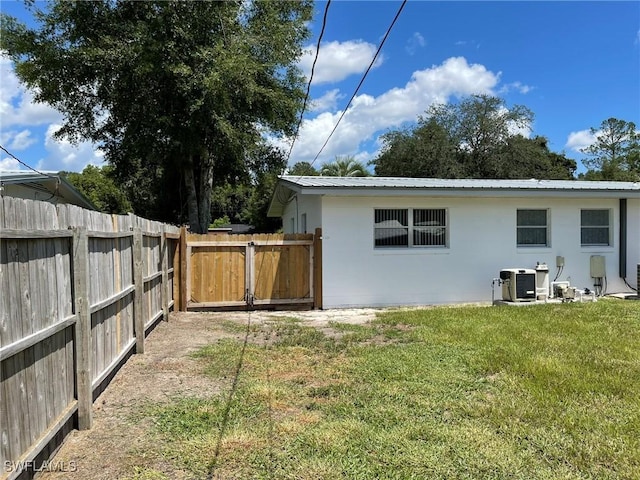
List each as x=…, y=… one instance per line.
x=362, y=80
x=28, y=166
x=313, y=67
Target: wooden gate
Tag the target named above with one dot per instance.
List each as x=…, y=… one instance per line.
x=224, y=270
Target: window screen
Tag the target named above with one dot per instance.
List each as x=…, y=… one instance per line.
x=595, y=227
x=391, y=228
x=532, y=228
x=410, y=227
x=430, y=227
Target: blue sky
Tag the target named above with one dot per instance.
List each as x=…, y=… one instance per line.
x=574, y=64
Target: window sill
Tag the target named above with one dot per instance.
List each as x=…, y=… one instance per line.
x=532, y=248
x=412, y=251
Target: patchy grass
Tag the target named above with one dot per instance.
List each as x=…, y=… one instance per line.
x=539, y=392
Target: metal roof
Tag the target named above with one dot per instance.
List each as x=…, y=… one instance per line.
x=289, y=185
x=50, y=181
x=441, y=183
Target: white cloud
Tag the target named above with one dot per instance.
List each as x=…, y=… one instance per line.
x=328, y=101
x=369, y=115
x=64, y=155
x=414, y=43
x=579, y=140
x=7, y=164
x=16, y=141
x=338, y=60
x=519, y=86
x=17, y=106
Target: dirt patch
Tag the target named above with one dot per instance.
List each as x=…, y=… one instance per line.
x=120, y=442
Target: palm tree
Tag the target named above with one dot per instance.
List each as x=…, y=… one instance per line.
x=345, y=166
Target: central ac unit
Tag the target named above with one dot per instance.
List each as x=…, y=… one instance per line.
x=518, y=284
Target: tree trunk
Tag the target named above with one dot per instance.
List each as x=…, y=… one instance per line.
x=206, y=185
x=192, y=198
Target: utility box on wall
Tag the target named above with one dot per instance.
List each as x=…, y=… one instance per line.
x=597, y=266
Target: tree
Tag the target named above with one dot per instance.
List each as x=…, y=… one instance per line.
x=479, y=126
x=476, y=138
x=247, y=198
x=615, y=154
x=424, y=151
x=346, y=166
x=523, y=157
x=98, y=185
x=303, y=169
x=170, y=90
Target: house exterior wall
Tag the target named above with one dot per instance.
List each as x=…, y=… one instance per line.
x=633, y=242
x=301, y=205
x=481, y=242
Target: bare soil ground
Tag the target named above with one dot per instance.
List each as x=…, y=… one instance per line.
x=120, y=442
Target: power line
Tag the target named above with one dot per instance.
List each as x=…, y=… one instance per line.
x=313, y=67
x=28, y=166
x=362, y=80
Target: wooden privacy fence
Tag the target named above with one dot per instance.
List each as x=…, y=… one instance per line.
x=223, y=270
x=79, y=291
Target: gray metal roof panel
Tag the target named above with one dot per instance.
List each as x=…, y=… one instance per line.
x=51, y=181
x=19, y=176
x=454, y=184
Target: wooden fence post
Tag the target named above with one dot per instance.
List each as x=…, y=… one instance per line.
x=183, y=270
x=317, y=269
x=82, y=342
x=138, y=301
x=164, y=265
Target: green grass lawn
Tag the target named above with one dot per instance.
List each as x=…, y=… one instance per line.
x=537, y=392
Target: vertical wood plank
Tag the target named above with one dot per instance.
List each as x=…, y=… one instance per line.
x=250, y=273
x=138, y=305
x=317, y=269
x=183, y=269
x=164, y=265
x=82, y=327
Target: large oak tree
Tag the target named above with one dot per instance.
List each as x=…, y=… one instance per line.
x=172, y=91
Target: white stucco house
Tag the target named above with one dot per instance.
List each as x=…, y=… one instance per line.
x=418, y=241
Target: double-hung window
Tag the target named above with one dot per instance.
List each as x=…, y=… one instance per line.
x=532, y=228
x=595, y=227
x=410, y=227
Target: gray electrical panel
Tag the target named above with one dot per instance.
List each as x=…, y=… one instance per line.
x=597, y=267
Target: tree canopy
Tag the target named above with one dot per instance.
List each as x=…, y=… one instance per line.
x=98, y=185
x=475, y=138
x=303, y=169
x=173, y=92
x=344, y=166
x=615, y=154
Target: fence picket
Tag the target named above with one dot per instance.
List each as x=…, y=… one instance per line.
x=46, y=370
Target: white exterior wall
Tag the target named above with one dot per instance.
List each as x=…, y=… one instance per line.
x=482, y=241
x=299, y=206
x=633, y=242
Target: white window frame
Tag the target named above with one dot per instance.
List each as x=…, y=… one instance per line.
x=608, y=226
x=546, y=226
x=411, y=229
